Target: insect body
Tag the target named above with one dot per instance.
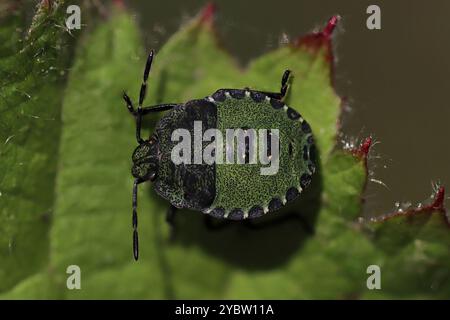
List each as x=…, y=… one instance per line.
x=224, y=189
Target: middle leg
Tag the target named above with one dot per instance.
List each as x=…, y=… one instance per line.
x=144, y=111
x=170, y=219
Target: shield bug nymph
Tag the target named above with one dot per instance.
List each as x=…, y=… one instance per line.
x=223, y=190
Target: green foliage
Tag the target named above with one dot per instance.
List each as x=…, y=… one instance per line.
x=416, y=242
x=31, y=90
x=85, y=219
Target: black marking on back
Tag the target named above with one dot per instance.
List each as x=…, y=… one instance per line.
x=255, y=212
x=186, y=185
x=247, y=150
x=305, y=180
x=305, y=153
x=291, y=194
x=217, y=213
x=290, y=149
x=275, y=204
x=236, y=93
x=276, y=104
x=257, y=96
x=269, y=143
x=292, y=114
x=219, y=95
x=305, y=127
x=236, y=214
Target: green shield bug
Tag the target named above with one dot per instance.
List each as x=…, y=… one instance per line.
x=270, y=131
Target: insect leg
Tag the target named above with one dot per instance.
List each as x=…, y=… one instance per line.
x=135, y=220
x=129, y=104
x=143, y=90
x=170, y=219
x=140, y=111
x=284, y=86
x=143, y=112
x=158, y=108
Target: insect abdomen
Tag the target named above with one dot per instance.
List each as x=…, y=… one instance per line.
x=241, y=190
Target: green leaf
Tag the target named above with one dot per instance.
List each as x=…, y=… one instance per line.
x=96, y=144
x=31, y=90
x=417, y=242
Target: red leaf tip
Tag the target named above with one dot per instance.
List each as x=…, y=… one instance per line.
x=320, y=39
x=331, y=25
x=208, y=12
x=363, y=150
x=438, y=200
x=119, y=4
x=437, y=204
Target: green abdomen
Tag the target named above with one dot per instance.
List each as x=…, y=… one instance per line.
x=242, y=190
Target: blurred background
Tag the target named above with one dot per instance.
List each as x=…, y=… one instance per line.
x=394, y=79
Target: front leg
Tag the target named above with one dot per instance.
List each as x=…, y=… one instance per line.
x=146, y=110
x=143, y=91
x=279, y=220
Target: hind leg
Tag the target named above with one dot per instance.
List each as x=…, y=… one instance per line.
x=170, y=219
x=283, y=90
